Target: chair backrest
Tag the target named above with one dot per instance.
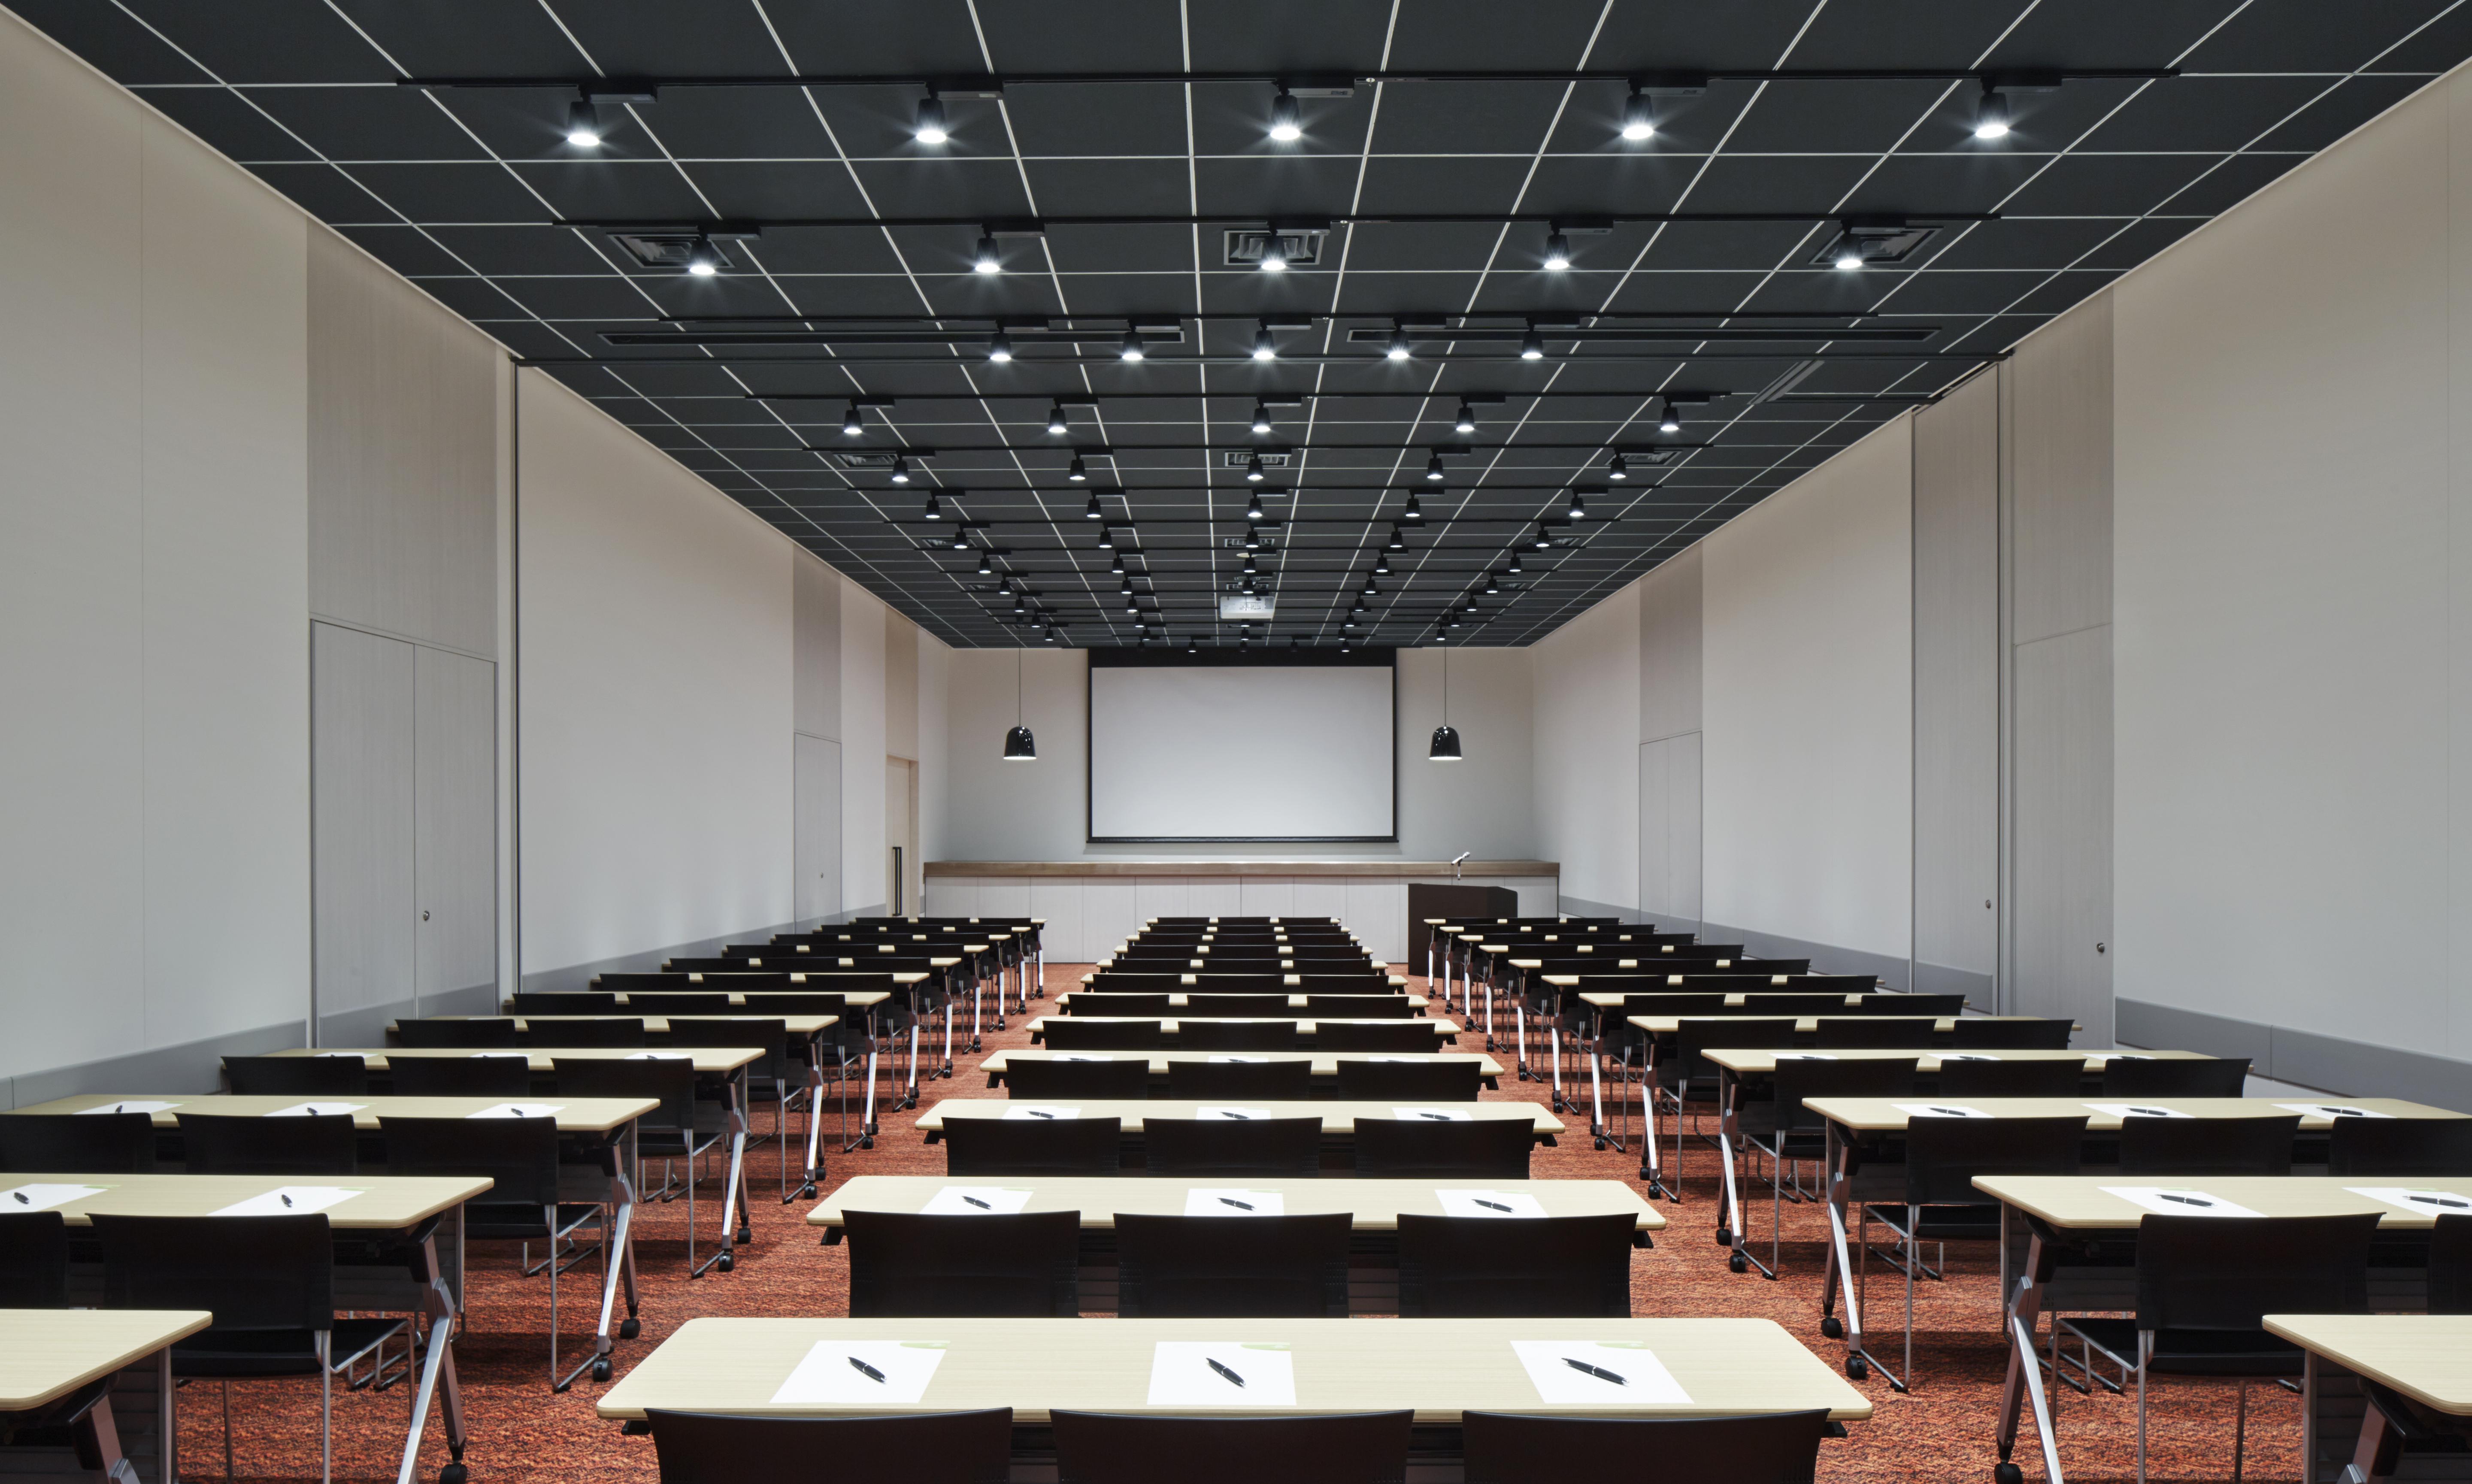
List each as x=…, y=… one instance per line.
x=2023, y=1033
x=1363, y=1007
x=1034, y=1146
x=1661, y=1002
x=98, y=1143
x=34, y=1259
x=296, y=1076
x=2036, y=1078
x=1856, y=1030
x=1369, y=1079
x=2211, y=1076
x=1286, y=1080
x=1940, y=1007
x=770, y=1035
x=1115, y=1079
x=1098, y=1447
x=1118, y=1002
x=1234, y=1148
x=1740, y=1033
x=244, y=1145
x=564, y=1002
x=517, y=1155
x=679, y=1002
x=1024, y=1265
x=1945, y=1155
x=460, y=1076
x=799, y=1003
x=1068, y=1034
x=925, y=1447
x=595, y=1032
x=480, y=1031
x=1775, y=1448
x=1215, y=1267
x=2399, y=1146
x=1376, y=1036
x=2207, y=1273
x=669, y=1081
x=2450, y=1264
x=1236, y=1035
x=254, y=1272
x=1797, y=1079
x=1556, y=1267
x=1459, y=1149
x=2207, y=1146
x=1208, y=1006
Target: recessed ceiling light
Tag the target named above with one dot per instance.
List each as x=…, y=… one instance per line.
x=1992, y=115
x=1261, y=417
x=1531, y=347
x=851, y=426
x=1287, y=119
x=1466, y=422
x=999, y=347
x=1265, y=348
x=988, y=260
x=1079, y=474
x=929, y=127
x=900, y=470
x=1639, y=117
x=1557, y=253
x=583, y=125
x=1398, y=351
x=1132, y=349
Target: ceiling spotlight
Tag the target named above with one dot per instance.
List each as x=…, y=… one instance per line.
x=1397, y=542
x=1079, y=476
x=999, y=347
x=1639, y=117
x=1020, y=606
x=1250, y=570
x=1557, y=253
x=1107, y=539
x=1246, y=586
x=961, y=541
x=1579, y=506
x=583, y=125
x=1617, y=468
x=1411, y=512
x=1371, y=589
x=935, y=512
x=1265, y=348
x=1253, y=538
x=929, y=127
x=702, y=262
x=1358, y=607
x=851, y=426
x=1671, y=421
x=1466, y=422
x=1273, y=258
x=1382, y=567
x=1434, y=467
x=1348, y=624
x=1253, y=469
x=1131, y=606
x=1398, y=351
x=1117, y=566
x=1254, y=507
x=1047, y=635
x=1531, y=346
x=1540, y=540
x=989, y=260
x=1132, y=346
x=1261, y=417
x=1849, y=261
x=1992, y=115
x=986, y=564
x=1091, y=511
x=1126, y=586
x=1056, y=426
x=900, y=470
x=1287, y=119
x=1492, y=584
x=1513, y=568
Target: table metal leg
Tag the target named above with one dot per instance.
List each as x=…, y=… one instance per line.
x=622, y=1254
x=732, y=1231
x=169, y=1434
x=440, y=1365
x=1732, y=1218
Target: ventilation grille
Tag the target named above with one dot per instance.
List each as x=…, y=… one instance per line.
x=863, y=460
x=1244, y=245
x=665, y=250
x=1239, y=459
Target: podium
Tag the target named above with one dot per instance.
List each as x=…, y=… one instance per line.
x=1448, y=900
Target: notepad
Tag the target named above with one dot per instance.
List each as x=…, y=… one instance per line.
x=1498, y=1203
x=1434, y=1114
x=132, y=1105
x=1583, y=1372
x=1938, y=1110
x=1042, y=1112
x=291, y=1201
x=1233, y=1201
x=519, y=1111
x=2177, y=1201
x=975, y=1201
x=1219, y=1374
x=43, y=1197
x=2331, y=1111
x=1237, y=1061
x=1230, y=1111
x=2138, y=1111
x=2417, y=1201
x=858, y=1372
x=317, y=1109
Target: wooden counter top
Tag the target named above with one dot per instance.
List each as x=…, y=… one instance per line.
x=1114, y=866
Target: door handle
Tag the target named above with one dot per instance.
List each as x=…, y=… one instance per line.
x=424, y=913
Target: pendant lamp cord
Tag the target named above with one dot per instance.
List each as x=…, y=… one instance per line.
x=1016, y=688
x=1446, y=687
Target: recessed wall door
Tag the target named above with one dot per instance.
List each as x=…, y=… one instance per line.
x=1669, y=833
x=2064, y=837
x=455, y=792
x=362, y=823
x=816, y=786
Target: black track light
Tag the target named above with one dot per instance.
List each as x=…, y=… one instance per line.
x=1531, y=346
x=988, y=259
x=1056, y=426
x=1670, y=420
x=1273, y=258
x=1253, y=469
x=986, y=564
x=1492, y=584
x=583, y=125
x=1639, y=117
x=1557, y=253
x=1091, y=511
x=1433, y=467
x=928, y=125
x=1513, y=568
x=1107, y=539
x=1076, y=472
x=1992, y=115
x=1132, y=349
x=1397, y=542
x=1617, y=468
x=1250, y=570
x=1398, y=351
x=1254, y=507
x=999, y=347
x=1382, y=567
x=1253, y=538
x=1265, y=348
x=703, y=260
x=900, y=470
x=933, y=512
x=1371, y=589
x=1541, y=540
x=1579, y=506
x=1117, y=566
x=1411, y=512
x=1287, y=119
x=1467, y=420
x=851, y=426
x=959, y=540
x=1261, y=417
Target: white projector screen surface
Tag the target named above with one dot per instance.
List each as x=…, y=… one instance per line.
x=1242, y=753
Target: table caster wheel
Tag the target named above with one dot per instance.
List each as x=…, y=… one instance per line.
x=454, y=1474
x=1857, y=1367
x=601, y=1369
x=726, y=1263
x=1601, y=1143
x=1833, y=1327
x=628, y=1328
x=1725, y=1236
x=869, y=1142
x=2008, y=1474
x=1738, y=1263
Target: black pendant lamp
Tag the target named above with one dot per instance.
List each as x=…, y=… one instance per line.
x=1019, y=745
x=1446, y=737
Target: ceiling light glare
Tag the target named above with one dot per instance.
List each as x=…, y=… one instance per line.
x=1132, y=346
x=1579, y=506
x=962, y=542
x=1540, y=540
x=1670, y=420
x=1466, y=422
x=900, y=470
x=1091, y=511
x=1531, y=347
x=935, y=512
x=1056, y=426
x=1261, y=417
x=851, y=426
x=1077, y=473
x=1397, y=542
x=1273, y=258
x=1849, y=261
x=1411, y=512
x=1513, y=568
x=1381, y=566
x=1117, y=566
x=1107, y=539
x=1639, y=117
x=1253, y=469
x=1000, y=349
x=1492, y=584
x=1253, y=538
x=1287, y=119
x=1398, y=351
x=583, y=125
x=702, y=262
x=986, y=563
x=1433, y=467
x=928, y=128
x=1992, y=115
x=1265, y=348
x=988, y=260
x=1254, y=507
x=1557, y=253
x=1618, y=466
x=1371, y=589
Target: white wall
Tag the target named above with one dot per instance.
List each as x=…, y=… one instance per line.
x=1586, y=748
x=862, y=743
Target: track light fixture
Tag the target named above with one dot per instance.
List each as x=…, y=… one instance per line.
x=933, y=511
x=1249, y=569
x=1056, y=426
x=1358, y=607
x=986, y=564
x=1397, y=543
x=1557, y=253
x=900, y=470
x=929, y=127
x=1992, y=115
x=988, y=260
x=1287, y=119
x=999, y=347
x=702, y=259
x=1849, y=261
x=851, y=426
x=1670, y=419
x=1513, y=568
x=1253, y=469
x=1047, y=634
x=1261, y=417
x=1273, y=258
x=1253, y=538
x=1617, y=468
x=1467, y=420
x=1579, y=506
x=1371, y=589
x=1107, y=539
x=1079, y=474
x=1433, y=467
x=1254, y=507
x=1531, y=346
x=1019, y=746
x=1117, y=566
x=961, y=541
x=1382, y=567
x=1091, y=511
x=1264, y=348
x=1639, y=117
x=1411, y=512
x=1541, y=540
x=1398, y=351
x=1132, y=349
x=1492, y=584
x=583, y=125
x=1445, y=747
x=1020, y=604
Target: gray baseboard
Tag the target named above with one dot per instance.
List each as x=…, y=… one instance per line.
x=191, y=1066
x=2347, y=1069
x=1581, y=907
x=577, y=977
x=1826, y=958
x=1941, y=979
x=368, y=1027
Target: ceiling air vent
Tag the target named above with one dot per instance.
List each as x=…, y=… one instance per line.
x=1302, y=248
x=1239, y=459
x=665, y=250
x=866, y=458
x=1874, y=243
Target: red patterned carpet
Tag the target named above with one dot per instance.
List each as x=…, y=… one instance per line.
x=521, y=1433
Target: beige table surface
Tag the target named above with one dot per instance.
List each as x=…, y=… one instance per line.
x=1442, y=1029
x=1439, y=1368
x=45, y=1354
x=1064, y=998
x=1612, y=999
x=1804, y=1025
x=574, y=1114
x=386, y=1203
x=1927, y=1059
x=1376, y=1204
x=2079, y=1202
x=1292, y=975
x=1325, y=1063
x=656, y=1025
x=2428, y=1357
x=820, y=980
x=1753, y=984
x=1880, y=1115
x=708, y=1059
x=1338, y=1116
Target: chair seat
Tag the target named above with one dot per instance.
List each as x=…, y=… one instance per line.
x=2253, y=1353
x=247, y=1353
x=1942, y=1223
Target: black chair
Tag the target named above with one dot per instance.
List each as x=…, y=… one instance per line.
x=1232, y=1267
x=564, y=1002
x=1220, y=1007
x=1098, y=1448
x=1789, y=1134
x=460, y=1076
x=1142, y=1006
x=1233, y=1148
x=1840, y=1032
x=2207, y=1146
x=1360, y=1007
x=1370, y=1079
x=671, y=1132
x=1487, y=1267
x=2205, y=1285
x=927, y=1447
x=1034, y=1146
x=905, y=1265
x=91, y=1143
x=1287, y=1080
x=2450, y=1264
x=1376, y=1036
x=2213, y=1076
x=296, y=1076
x=1116, y=1079
x=1067, y=1034
x=778, y=1076
x=1941, y=1007
x=34, y=1259
x=2399, y=1147
x=1985, y=1034
x=713, y=1001
x=1236, y=1035
x=482, y=1030
x=591, y=1032
x=241, y=1144
x=519, y=1158
x=1775, y=1448
x=1959, y=1078
x=1681, y=1075
x=269, y=1281
x=1455, y=1149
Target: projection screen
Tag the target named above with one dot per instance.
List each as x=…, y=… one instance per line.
x=1239, y=748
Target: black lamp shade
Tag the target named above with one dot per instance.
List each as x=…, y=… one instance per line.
x=1446, y=745
x=1021, y=746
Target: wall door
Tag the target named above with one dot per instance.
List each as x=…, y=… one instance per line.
x=1669, y=833
x=454, y=796
x=363, y=822
x=815, y=787
x=901, y=871
x=2063, y=861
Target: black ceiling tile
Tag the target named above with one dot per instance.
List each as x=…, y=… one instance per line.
x=1474, y=186
x=718, y=123
x=451, y=192
x=406, y=249
x=2204, y=113
x=113, y=41
x=1904, y=34
x=270, y=42
x=1113, y=187
x=1142, y=119
x=1263, y=184
x=1681, y=246
x=1839, y=118
x=1775, y=183
x=474, y=298
x=931, y=36
x=324, y=192
x=604, y=190
x=2137, y=241
x=773, y=190
x=1465, y=118
x=227, y=122
x=468, y=37
x=2105, y=34
x=2112, y=185
x=612, y=300
x=2437, y=47
x=943, y=187
x=521, y=250
x=1918, y=185
x=368, y=123
x=2352, y=103
x=2064, y=289
x=654, y=37
x=1585, y=185
x=2282, y=35
x=2046, y=244
x=1081, y=35
x=2231, y=182
x=835, y=251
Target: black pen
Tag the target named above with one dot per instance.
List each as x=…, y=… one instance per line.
x=1488, y=1205
x=1953, y=1113
x=1230, y=1112
x=285, y=1199
x=1226, y=1200
x=2425, y=1200
x=1037, y=1113
x=865, y=1370
x=22, y=1200
x=975, y=1201
x=1599, y=1371
x=2347, y=1112
x=2186, y=1200
x=2149, y=1112
x=1436, y=1117
x=1224, y=1371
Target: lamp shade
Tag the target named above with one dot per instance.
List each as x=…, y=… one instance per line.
x=1446, y=745
x=1021, y=746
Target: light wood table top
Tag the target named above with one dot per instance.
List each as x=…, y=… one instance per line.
x=1099, y=998
x=1439, y=1368
x=1804, y=1025
x=574, y=1114
x=2080, y=1202
x=1883, y=1115
x=45, y=1354
x=1338, y=1116
x=386, y=1203
x=2428, y=1357
x=1089, y=981
x=709, y=1061
x=659, y=1025
x=1376, y=1204
x=1927, y=1059
x=818, y=980
x=1612, y=999
x=1442, y=1029
x=1325, y=1063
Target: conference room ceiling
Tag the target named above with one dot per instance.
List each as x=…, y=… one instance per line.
x=1121, y=156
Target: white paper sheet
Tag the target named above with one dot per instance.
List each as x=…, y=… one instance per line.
x=830, y=1374
x=519, y=1111
x=43, y=1197
x=2138, y=1111
x=314, y=1109
x=1041, y=1111
x=1233, y=1201
x=1434, y=1114
x=1233, y=1110
x=1967, y=1056
x=1237, y=1061
x=520, y=1056
x=131, y=1104
x=1804, y=1056
x=1644, y=1380
x=291, y=1201
x=975, y=1201
x=2331, y=1111
x=1182, y=1374
x=1496, y=1204
x=2417, y=1201
x=1939, y=1111
x=1078, y=1056
x=660, y=1056
x=2177, y=1201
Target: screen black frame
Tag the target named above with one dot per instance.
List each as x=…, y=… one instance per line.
x=1216, y=659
